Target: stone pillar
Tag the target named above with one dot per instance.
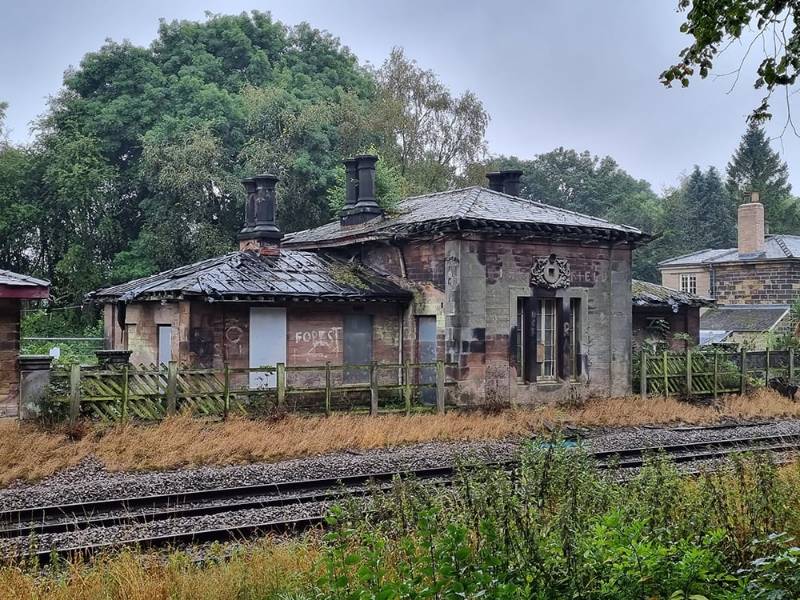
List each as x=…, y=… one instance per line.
x=34, y=379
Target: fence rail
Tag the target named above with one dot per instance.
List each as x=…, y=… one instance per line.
x=709, y=372
x=153, y=392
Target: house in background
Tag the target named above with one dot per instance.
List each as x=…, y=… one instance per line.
x=528, y=301
x=14, y=289
x=659, y=313
x=753, y=285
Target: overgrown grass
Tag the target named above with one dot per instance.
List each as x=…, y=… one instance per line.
x=29, y=452
x=555, y=529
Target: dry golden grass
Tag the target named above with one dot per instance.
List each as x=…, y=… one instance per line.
x=27, y=452
x=268, y=569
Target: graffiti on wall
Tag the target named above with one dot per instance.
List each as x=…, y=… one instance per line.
x=319, y=341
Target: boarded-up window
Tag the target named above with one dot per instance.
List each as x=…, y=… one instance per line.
x=357, y=346
x=164, y=344
x=426, y=353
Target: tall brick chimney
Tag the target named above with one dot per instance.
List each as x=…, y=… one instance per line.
x=751, y=226
x=507, y=181
x=496, y=179
x=260, y=231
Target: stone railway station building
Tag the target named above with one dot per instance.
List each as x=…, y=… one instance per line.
x=526, y=301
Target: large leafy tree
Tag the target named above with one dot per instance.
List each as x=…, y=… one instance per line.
x=755, y=166
x=140, y=154
x=429, y=133
x=769, y=27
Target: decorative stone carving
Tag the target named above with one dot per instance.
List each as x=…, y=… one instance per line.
x=550, y=272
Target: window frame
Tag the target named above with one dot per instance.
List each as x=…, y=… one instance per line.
x=688, y=283
x=547, y=330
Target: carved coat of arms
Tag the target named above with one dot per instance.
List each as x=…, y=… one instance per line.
x=550, y=272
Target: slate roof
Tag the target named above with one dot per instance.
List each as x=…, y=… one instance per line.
x=293, y=275
x=776, y=247
x=743, y=317
x=645, y=293
x=472, y=207
x=11, y=279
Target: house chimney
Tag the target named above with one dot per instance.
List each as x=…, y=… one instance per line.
x=367, y=207
x=751, y=226
x=351, y=182
x=260, y=232
x=496, y=179
x=511, y=181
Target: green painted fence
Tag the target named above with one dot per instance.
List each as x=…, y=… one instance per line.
x=151, y=393
x=709, y=372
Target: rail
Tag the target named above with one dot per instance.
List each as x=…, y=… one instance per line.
x=152, y=392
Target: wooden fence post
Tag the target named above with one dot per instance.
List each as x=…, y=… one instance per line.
x=328, y=388
x=688, y=371
x=743, y=368
x=172, y=387
x=280, y=374
x=666, y=377
x=226, y=391
x=440, y=387
x=373, y=390
x=643, y=376
x=766, y=369
x=716, y=371
x=74, y=393
x=124, y=409
x=791, y=365
x=407, y=389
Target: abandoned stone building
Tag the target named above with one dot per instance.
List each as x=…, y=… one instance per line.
x=762, y=274
x=14, y=289
x=525, y=302
x=663, y=316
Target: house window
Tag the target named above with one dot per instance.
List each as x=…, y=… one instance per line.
x=548, y=339
x=520, y=346
x=575, y=337
x=689, y=283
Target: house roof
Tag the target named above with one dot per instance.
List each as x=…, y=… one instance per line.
x=742, y=317
x=464, y=209
x=292, y=275
x=649, y=294
x=14, y=285
x=776, y=247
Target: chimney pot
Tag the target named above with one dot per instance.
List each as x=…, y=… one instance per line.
x=511, y=181
x=367, y=207
x=496, y=179
x=751, y=228
x=260, y=228
x=351, y=181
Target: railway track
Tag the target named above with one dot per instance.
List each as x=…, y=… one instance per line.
x=29, y=522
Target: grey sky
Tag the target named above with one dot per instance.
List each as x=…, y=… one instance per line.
x=581, y=74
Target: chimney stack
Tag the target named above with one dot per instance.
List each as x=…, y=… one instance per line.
x=496, y=179
x=751, y=226
x=367, y=207
x=507, y=182
x=511, y=181
x=260, y=231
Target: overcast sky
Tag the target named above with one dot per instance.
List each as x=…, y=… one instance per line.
x=581, y=74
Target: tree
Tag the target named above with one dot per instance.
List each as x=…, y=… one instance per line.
x=710, y=210
x=755, y=166
x=427, y=132
x=716, y=25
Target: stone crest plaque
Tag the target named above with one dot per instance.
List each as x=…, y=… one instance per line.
x=550, y=272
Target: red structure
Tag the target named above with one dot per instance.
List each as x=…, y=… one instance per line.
x=14, y=288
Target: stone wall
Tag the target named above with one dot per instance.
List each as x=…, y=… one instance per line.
x=9, y=357
x=768, y=282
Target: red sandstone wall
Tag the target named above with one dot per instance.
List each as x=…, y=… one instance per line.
x=686, y=320
x=9, y=354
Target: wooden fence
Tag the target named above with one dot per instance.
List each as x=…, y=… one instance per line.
x=709, y=372
x=152, y=392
